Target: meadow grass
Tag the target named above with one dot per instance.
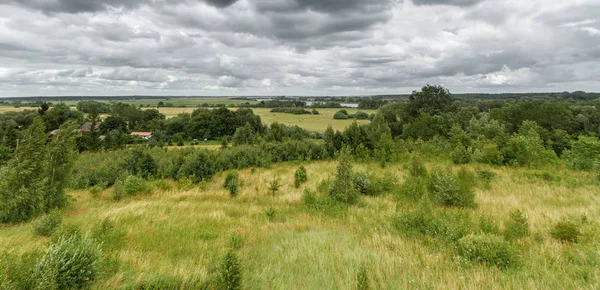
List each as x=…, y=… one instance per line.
x=182, y=231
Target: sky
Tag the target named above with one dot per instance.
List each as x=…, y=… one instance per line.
x=296, y=47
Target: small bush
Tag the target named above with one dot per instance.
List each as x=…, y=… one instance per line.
x=47, y=224
x=487, y=225
x=300, y=176
x=516, y=227
x=488, y=249
x=274, y=186
x=486, y=177
x=340, y=116
x=445, y=188
x=416, y=167
x=230, y=276
x=566, y=231
x=231, y=183
x=71, y=262
x=134, y=185
x=413, y=187
x=362, y=183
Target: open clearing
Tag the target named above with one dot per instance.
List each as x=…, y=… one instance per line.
x=181, y=231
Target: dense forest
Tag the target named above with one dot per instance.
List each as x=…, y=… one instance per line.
x=45, y=154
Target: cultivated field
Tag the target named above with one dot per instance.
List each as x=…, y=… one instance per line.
x=310, y=122
x=180, y=232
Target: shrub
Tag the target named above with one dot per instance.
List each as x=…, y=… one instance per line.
x=118, y=190
x=361, y=115
x=486, y=177
x=230, y=276
x=487, y=225
x=198, y=166
x=341, y=188
x=413, y=187
x=141, y=164
x=416, y=167
x=134, y=185
x=566, y=231
x=362, y=183
x=340, y=116
x=488, y=249
x=274, y=186
x=71, y=262
x=47, y=224
x=300, y=176
x=516, y=227
x=231, y=183
x=235, y=240
x=461, y=155
x=362, y=279
x=424, y=221
x=448, y=190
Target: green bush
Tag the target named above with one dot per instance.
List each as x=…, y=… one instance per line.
x=140, y=163
x=198, y=166
x=231, y=183
x=340, y=116
x=566, y=231
x=487, y=225
x=362, y=183
x=342, y=187
x=461, y=155
x=16, y=271
x=516, y=227
x=449, y=190
x=486, y=177
x=413, y=187
x=134, y=185
x=47, y=224
x=300, y=176
x=488, y=249
x=71, y=262
x=445, y=226
x=416, y=167
x=230, y=276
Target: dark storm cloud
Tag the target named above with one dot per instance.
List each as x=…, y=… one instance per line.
x=296, y=47
x=82, y=6
x=447, y=2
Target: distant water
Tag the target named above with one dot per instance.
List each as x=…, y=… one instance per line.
x=345, y=105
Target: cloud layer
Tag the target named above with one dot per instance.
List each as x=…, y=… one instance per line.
x=296, y=47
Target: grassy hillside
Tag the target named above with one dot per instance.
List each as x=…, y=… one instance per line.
x=179, y=232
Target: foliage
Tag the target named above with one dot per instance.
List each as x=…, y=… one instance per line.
x=274, y=186
x=584, y=153
x=230, y=276
x=134, y=185
x=198, y=166
x=488, y=249
x=47, y=224
x=362, y=183
x=516, y=227
x=232, y=183
x=566, y=231
x=449, y=190
x=61, y=159
x=486, y=177
x=140, y=163
x=71, y=262
x=432, y=100
x=341, y=188
x=300, y=176
x=340, y=116
x=23, y=181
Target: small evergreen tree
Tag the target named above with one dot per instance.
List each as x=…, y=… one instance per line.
x=362, y=279
x=300, y=176
x=230, y=275
x=516, y=227
x=274, y=186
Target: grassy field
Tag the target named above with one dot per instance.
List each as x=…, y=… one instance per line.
x=309, y=122
x=317, y=123
x=180, y=231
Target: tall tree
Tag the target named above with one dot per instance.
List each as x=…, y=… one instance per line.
x=62, y=156
x=432, y=100
x=23, y=180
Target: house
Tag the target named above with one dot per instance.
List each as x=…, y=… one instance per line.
x=87, y=127
x=145, y=135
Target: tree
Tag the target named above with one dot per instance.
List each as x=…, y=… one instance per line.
x=341, y=188
x=23, y=180
x=243, y=135
x=432, y=100
x=113, y=123
x=60, y=164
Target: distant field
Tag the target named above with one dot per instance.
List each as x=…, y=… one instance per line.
x=189, y=102
x=317, y=123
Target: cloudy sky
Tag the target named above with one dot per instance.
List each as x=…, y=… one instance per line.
x=296, y=47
